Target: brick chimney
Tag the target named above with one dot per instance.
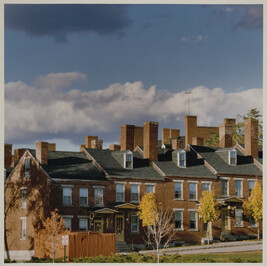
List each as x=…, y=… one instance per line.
x=88, y=141
x=51, y=146
x=151, y=141
x=190, y=128
x=197, y=141
x=114, y=147
x=177, y=143
x=96, y=144
x=42, y=152
x=17, y=155
x=251, y=137
x=81, y=147
x=8, y=155
x=165, y=135
x=226, y=133
x=138, y=136
x=127, y=137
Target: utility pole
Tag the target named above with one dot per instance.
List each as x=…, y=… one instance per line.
x=188, y=93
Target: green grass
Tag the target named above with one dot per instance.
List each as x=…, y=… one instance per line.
x=196, y=258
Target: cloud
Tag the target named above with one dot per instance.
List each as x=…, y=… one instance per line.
x=41, y=113
x=58, y=21
x=194, y=39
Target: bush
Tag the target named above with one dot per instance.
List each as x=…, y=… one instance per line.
x=9, y=261
x=44, y=260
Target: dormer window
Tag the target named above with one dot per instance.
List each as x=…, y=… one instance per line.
x=181, y=156
x=27, y=167
x=128, y=160
x=232, y=157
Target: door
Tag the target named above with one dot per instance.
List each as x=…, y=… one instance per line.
x=98, y=225
x=225, y=221
x=119, y=228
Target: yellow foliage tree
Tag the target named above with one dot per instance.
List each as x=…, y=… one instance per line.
x=207, y=209
x=253, y=206
x=50, y=237
x=157, y=220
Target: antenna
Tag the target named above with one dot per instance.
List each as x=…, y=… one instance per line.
x=188, y=93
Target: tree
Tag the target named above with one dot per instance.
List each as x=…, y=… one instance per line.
x=157, y=220
x=207, y=209
x=50, y=237
x=253, y=206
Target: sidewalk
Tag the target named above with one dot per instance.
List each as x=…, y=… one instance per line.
x=202, y=248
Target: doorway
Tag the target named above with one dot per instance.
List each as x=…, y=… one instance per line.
x=119, y=228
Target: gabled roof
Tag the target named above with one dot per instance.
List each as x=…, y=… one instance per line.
x=141, y=167
x=71, y=165
x=259, y=159
x=212, y=155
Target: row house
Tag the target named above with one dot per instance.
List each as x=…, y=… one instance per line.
x=100, y=189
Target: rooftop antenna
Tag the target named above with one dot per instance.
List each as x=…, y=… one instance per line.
x=188, y=93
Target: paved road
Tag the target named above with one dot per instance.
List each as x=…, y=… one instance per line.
x=214, y=248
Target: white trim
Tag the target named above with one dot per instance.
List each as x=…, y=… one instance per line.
x=82, y=217
x=99, y=187
x=182, y=189
x=23, y=200
x=178, y=158
x=120, y=182
x=229, y=158
x=179, y=181
x=137, y=223
x=64, y=205
x=241, y=180
x=228, y=181
x=182, y=220
x=86, y=204
x=67, y=216
x=138, y=187
x=206, y=182
x=64, y=185
x=123, y=184
x=124, y=161
x=238, y=178
x=21, y=229
x=151, y=184
x=175, y=209
x=135, y=183
x=86, y=227
x=224, y=177
x=252, y=180
x=196, y=217
x=193, y=182
x=102, y=203
x=71, y=180
x=193, y=210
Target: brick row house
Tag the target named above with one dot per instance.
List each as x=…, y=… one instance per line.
x=100, y=189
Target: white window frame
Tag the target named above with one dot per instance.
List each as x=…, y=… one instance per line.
x=23, y=200
x=196, y=217
x=228, y=180
x=70, y=189
x=151, y=184
x=123, y=196
x=67, y=218
x=182, y=189
x=178, y=158
x=193, y=182
x=23, y=228
x=254, y=225
x=129, y=153
x=182, y=221
x=86, y=223
x=229, y=156
x=27, y=170
x=242, y=224
x=251, y=180
x=138, y=191
x=102, y=189
x=206, y=182
x=241, y=180
x=135, y=215
x=83, y=189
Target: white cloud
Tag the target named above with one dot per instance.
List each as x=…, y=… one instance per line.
x=194, y=39
x=34, y=111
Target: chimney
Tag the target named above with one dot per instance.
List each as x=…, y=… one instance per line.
x=226, y=133
x=81, y=147
x=17, y=155
x=114, y=147
x=151, y=141
x=51, y=146
x=251, y=137
x=96, y=144
x=174, y=133
x=165, y=136
x=198, y=141
x=190, y=128
x=177, y=143
x=138, y=136
x=127, y=137
x=42, y=152
x=88, y=141
x=8, y=155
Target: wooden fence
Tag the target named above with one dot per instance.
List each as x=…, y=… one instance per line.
x=82, y=244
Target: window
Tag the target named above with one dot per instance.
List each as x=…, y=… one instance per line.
x=192, y=191
x=23, y=198
x=120, y=192
x=99, y=197
x=238, y=217
x=83, y=224
x=128, y=160
x=27, y=167
x=67, y=201
x=251, y=185
x=206, y=186
x=232, y=157
x=135, y=193
x=252, y=222
x=182, y=159
x=238, y=188
x=150, y=188
x=23, y=228
x=83, y=196
x=193, y=220
x=67, y=223
x=178, y=190
x=178, y=220
x=134, y=224
x=224, y=187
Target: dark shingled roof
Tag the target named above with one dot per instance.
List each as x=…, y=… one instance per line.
x=71, y=165
x=213, y=156
x=260, y=153
x=141, y=170
x=8, y=171
x=194, y=167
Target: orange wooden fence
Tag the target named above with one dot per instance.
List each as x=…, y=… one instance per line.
x=82, y=244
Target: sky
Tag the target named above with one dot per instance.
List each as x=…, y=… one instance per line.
x=78, y=70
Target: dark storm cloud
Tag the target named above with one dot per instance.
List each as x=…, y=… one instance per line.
x=59, y=20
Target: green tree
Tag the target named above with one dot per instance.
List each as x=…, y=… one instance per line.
x=208, y=212
x=253, y=206
x=157, y=221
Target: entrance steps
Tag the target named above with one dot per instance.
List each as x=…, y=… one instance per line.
x=123, y=247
